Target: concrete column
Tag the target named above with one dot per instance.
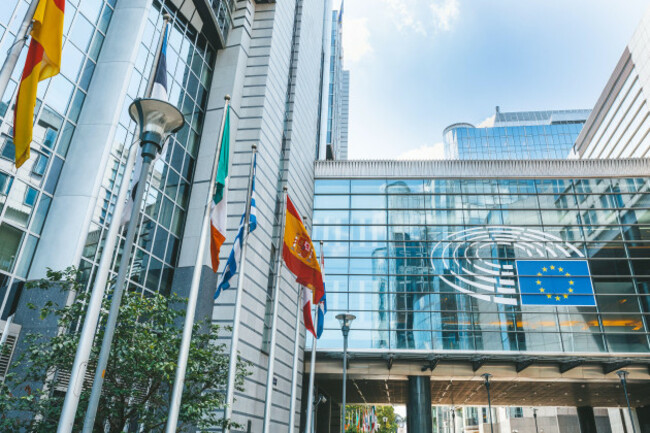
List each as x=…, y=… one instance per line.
x=418, y=408
x=586, y=419
x=68, y=221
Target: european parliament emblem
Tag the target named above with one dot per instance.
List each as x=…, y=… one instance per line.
x=555, y=282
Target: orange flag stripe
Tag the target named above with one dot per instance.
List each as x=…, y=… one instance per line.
x=299, y=253
x=43, y=61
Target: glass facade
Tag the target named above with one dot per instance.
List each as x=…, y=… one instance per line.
x=190, y=59
x=430, y=264
x=517, y=135
x=26, y=194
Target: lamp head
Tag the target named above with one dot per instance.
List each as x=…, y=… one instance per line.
x=486, y=377
x=345, y=320
x=623, y=374
x=156, y=119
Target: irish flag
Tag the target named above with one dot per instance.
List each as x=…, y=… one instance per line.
x=43, y=61
x=218, y=211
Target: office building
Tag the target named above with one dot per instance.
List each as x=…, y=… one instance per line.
x=619, y=125
x=339, y=94
x=431, y=257
x=56, y=209
x=516, y=135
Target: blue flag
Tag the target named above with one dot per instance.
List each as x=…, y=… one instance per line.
x=322, y=309
x=159, y=89
x=555, y=282
x=233, y=259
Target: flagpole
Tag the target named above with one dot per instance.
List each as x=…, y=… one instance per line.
x=19, y=43
x=89, y=329
x=239, y=294
x=312, y=368
x=183, y=355
x=296, y=354
x=111, y=322
x=274, y=318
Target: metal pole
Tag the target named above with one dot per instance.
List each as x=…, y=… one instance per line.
x=274, y=319
x=149, y=151
x=535, y=417
x=14, y=52
x=5, y=333
x=346, y=332
x=183, y=355
x=312, y=372
x=80, y=365
x=623, y=375
x=232, y=367
x=487, y=388
x=296, y=353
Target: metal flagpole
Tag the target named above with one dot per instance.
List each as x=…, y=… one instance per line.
x=274, y=319
x=181, y=367
x=91, y=320
x=312, y=368
x=309, y=428
x=14, y=52
x=239, y=294
x=80, y=365
x=296, y=353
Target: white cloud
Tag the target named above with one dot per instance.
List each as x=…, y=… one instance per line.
x=436, y=151
x=356, y=39
x=445, y=13
x=409, y=15
x=487, y=123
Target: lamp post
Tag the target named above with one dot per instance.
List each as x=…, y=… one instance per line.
x=345, y=320
x=622, y=374
x=486, y=378
x=156, y=120
x=535, y=417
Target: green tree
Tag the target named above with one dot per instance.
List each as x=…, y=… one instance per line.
x=388, y=412
x=139, y=375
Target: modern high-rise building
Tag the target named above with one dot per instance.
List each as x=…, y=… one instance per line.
x=619, y=125
x=516, y=135
x=444, y=265
x=339, y=95
x=55, y=210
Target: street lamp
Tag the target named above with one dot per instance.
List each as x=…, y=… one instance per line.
x=486, y=378
x=622, y=374
x=156, y=120
x=535, y=416
x=345, y=320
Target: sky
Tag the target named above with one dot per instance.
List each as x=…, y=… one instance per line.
x=417, y=66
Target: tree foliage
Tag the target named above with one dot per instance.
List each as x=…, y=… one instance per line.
x=140, y=371
x=388, y=412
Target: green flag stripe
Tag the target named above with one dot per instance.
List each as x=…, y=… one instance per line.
x=222, y=170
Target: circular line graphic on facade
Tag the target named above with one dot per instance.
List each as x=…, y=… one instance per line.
x=480, y=261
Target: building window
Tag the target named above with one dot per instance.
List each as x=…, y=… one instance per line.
x=40, y=165
x=30, y=196
x=10, y=239
x=8, y=150
x=5, y=184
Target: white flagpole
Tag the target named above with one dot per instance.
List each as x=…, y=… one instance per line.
x=89, y=329
x=234, y=341
x=274, y=319
x=296, y=356
x=14, y=52
x=312, y=367
x=184, y=352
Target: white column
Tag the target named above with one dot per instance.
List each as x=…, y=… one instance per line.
x=68, y=221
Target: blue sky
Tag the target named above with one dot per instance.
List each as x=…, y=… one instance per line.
x=417, y=66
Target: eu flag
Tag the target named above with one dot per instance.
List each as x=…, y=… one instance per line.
x=555, y=282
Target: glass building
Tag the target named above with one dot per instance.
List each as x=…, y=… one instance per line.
x=516, y=135
x=338, y=100
x=430, y=263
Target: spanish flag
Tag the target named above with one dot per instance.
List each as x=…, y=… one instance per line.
x=299, y=253
x=43, y=61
